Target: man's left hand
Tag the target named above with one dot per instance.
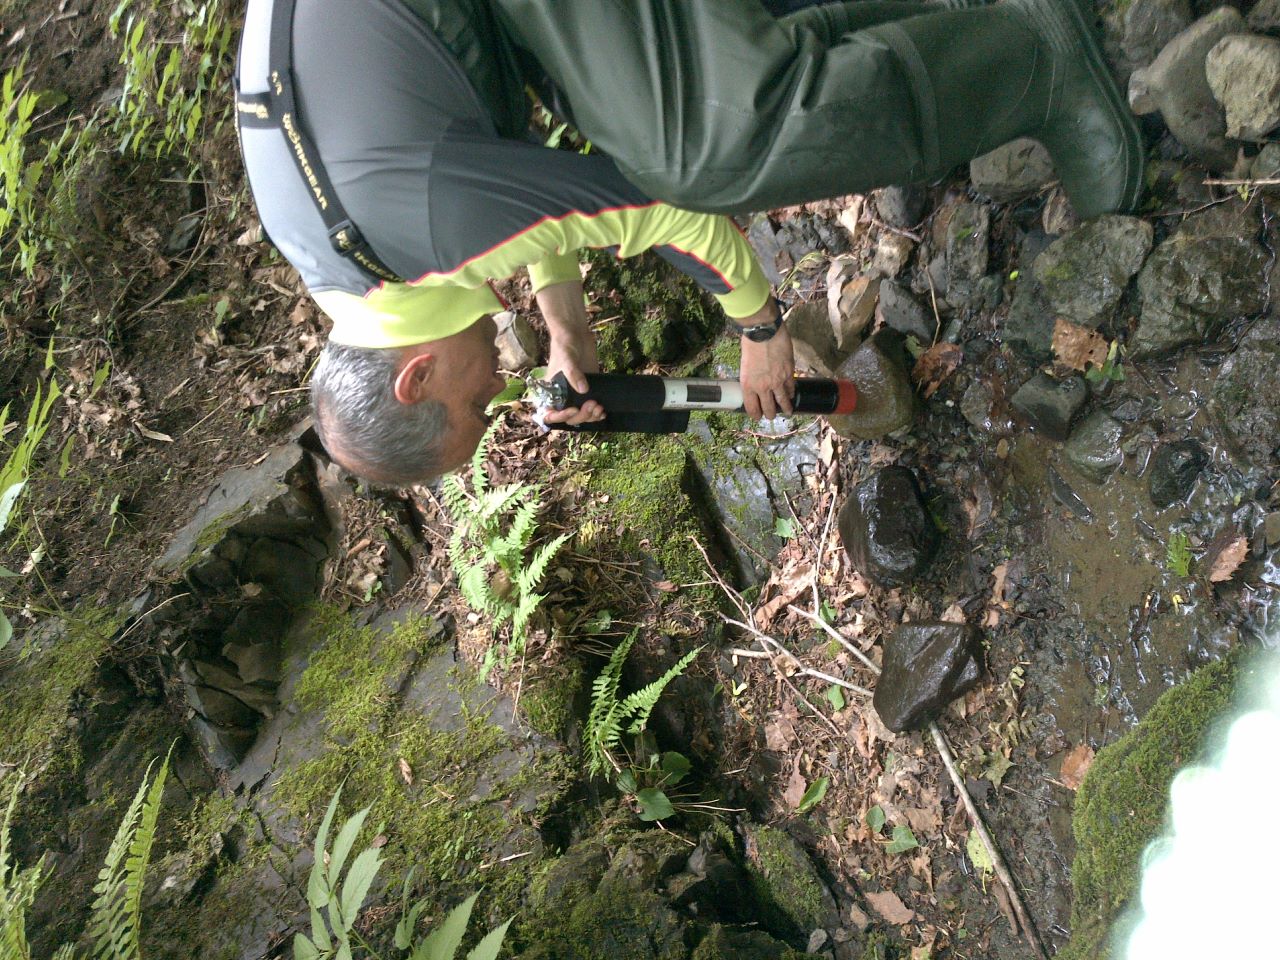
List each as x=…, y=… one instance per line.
x=767, y=376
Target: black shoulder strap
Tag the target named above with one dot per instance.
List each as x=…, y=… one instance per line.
x=279, y=108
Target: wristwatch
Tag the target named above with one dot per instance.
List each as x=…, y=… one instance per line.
x=763, y=332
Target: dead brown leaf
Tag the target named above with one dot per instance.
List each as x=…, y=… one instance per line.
x=1229, y=555
x=795, y=786
x=666, y=586
x=406, y=772
x=953, y=614
x=890, y=906
x=997, y=603
x=935, y=365
x=1077, y=347
x=1075, y=765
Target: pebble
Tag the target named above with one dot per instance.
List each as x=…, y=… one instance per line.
x=1094, y=446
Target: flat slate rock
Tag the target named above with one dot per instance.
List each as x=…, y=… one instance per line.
x=926, y=666
x=886, y=530
x=1085, y=272
x=1050, y=405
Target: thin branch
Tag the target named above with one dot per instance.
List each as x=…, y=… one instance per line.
x=1264, y=182
x=838, y=637
x=997, y=861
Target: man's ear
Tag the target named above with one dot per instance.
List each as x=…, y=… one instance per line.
x=414, y=377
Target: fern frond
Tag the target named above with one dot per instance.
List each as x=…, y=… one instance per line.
x=640, y=704
x=532, y=575
x=604, y=720
x=479, y=475
x=17, y=890
x=116, y=918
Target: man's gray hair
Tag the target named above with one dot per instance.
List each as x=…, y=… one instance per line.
x=364, y=427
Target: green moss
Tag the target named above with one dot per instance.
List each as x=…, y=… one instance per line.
x=449, y=822
x=550, y=698
x=723, y=943
x=878, y=947
x=37, y=695
x=784, y=880
x=1120, y=807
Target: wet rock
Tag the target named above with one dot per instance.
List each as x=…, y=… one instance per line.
x=1176, y=84
x=1244, y=75
x=1265, y=16
x=1266, y=165
x=1059, y=216
x=901, y=207
x=1149, y=25
x=1028, y=328
x=517, y=343
x=886, y=529
x=855, y=305
x=976, y=405
x=886, y=399
x=926, y=666
x=1245, y=399
x=1173, y=471
x=1191, y=285
x=1085, y=272
x=1271, y=529
x=786, y=882
x=893, y=251
x=1050, y=405
x=812, y=341
x=968, y=241
x=899, y=310
x=1094, y=446
x=1016, y=170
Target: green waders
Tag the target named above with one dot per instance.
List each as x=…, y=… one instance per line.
x=718, y=106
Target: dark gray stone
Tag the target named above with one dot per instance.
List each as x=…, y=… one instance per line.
x=968, y=251
x=1094, y=446
x=1085, y=272
x=926, y=666
x=1173, y=471
x=886, y=529
x=1149, y=25
x=1191, y=285
x=1028, y=328
x=976, y=405
x=1245, y=399
x=1176, y=84
x=1050, y=405
x=886, y=399
x=812, y=338
x=183, y=235
x=900, y=310
x=1015, y=170
x=901, y=207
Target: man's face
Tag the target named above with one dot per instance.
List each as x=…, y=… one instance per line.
x=465, y=380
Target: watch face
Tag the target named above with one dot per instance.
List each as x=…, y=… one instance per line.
x=761, y=334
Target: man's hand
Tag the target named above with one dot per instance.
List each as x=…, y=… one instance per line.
x=573, y=347
x=768, y=368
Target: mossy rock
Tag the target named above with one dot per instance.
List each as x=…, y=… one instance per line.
x=723, y=943
x=553, y=698
x=1121, y=806
x=787, y=884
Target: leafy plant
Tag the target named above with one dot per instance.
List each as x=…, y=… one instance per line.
x=162, y=106
x=116, y=918
x=489, y=549
x=813, y=796
x=17, y=466
x=1110, y=369
x=335, y=903
x=1177, y=555
x=643, y=773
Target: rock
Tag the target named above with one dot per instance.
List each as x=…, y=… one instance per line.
x=1094, y=447
x=1059, y=216
x=926, y=666
x=1191, y=285
x=786, y=881
x=901, y=207
x=1271, y=529
x=968, y=241
x=899, y=310
x=1266, y=165
x=855, y=305
x=886, y=529
x=1244, y=75
x=977, y=406
x=1245, y=400
x=886, y=398
x=1265, y=16
x=1029, y=326
x=1085, y=272
x=517, y=342
x=811, y=338
x=1050, y=405
x=1173, y=471
x=1176, y=84
x=893, y=251
x=1149, y=25
x=183, y=235
x=1016, y=170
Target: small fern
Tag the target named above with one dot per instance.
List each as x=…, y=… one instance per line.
x=17, y=890
x=609, y=717
x=493, y=531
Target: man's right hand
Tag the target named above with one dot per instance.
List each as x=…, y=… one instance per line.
x=573, y=348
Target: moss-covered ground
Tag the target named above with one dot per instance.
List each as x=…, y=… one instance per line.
x=1121, y=805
